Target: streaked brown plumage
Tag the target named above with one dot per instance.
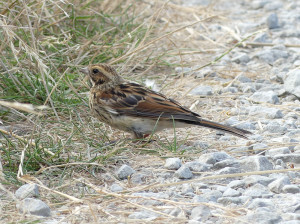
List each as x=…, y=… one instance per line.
x=134, y=108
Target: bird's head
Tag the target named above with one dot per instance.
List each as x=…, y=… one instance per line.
x=102, y=75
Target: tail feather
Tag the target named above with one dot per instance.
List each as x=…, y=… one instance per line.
x=226, y=128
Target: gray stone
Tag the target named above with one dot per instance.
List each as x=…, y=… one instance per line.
x=199, y=198
x=152, y=196
x=227, y=163
x=229, y=200
x=275, y=127
x=272, y=21
x=187, y=188
x=271, y=55
x=172, y=163
x=258, y=147
x=292, y=82
x=231, y=193
x=212, y=195
x=116, y=188
x=200, y=144
x=202, y=91
x=27, y=191
x=276, y=151
x=254, y=179
x=291, y=188
x=34, y=207
x=257, y=191
x=289, y=158
x=242, y=58
x=145, y=215
x=265, y=97
x=214, y=157
x=255, y=163
x=125, y=171
x=277, y=185
x=261, y=202
x=236, y=184
x=263, y=217
x=200, y=213
x=184, y=173
x=244, y=79
x=228, y=170
x=271, y=113
x=197, y=166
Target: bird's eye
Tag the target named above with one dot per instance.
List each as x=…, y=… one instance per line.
x=95, y=70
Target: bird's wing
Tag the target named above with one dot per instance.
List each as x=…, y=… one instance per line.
x=135, y=100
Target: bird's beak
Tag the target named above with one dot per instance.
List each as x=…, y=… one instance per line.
x=85, y=70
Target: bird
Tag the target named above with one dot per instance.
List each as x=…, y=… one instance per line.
x=136, y=109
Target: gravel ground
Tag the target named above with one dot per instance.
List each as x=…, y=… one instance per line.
x=272, y=108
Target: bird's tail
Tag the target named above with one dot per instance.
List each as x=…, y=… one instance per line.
x=226, y=128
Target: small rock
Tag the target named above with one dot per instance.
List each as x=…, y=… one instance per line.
x=116, y=188
x=257, y=191
x=276, y=151
x=289, y=158
x=125, y=171
x=272, y=21
x=187, y=188
x=172, y=163
x=27, y=191
x=212, y=195
x=200, y=144
x=256, y=163
x=200, y=213
x=34, y=207
x=277, y=185
x=214, y=157
x=265, y=97
x=242, y=58
x=261, y=202
x=202, y=91
x=231, y=193
x=291, y=188
x=228, y=170
x=145, y=215
x=275, y=127
x=254, y=179
x=292, y=82
x=236, y=184
x=184, y=173
x=263, y=217
x=244, y=79
x=229, y=200
x=227, y=163
x=197, y=166
x=258, y=147
x=199, y=198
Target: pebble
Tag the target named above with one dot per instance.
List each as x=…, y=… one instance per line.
x=256, y=163
x=214, y=157
x=184, y=173
x=272, y=21
x=202, y=91
x=288, y=158
x=265, y=97
x=34, y=207
x=242, y=58
x=290, y=188
x=254, y=179
x=200, y=213
x=144, y=215
x=231, y=193
x=172, y=163
x=236, y=184
x=277, y=185
x=27, y=191
x=276, y=151
x=196, y=166
x=261, y=217
x=227, y=163
x=116, y=188
x=261, y=202
x=229, y=200
x=292, y=82
x=257, y=191
x=125, y=171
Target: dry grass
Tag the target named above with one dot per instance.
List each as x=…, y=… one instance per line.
x=64, y=150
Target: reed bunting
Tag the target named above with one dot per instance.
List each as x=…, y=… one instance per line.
x=134, y=108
